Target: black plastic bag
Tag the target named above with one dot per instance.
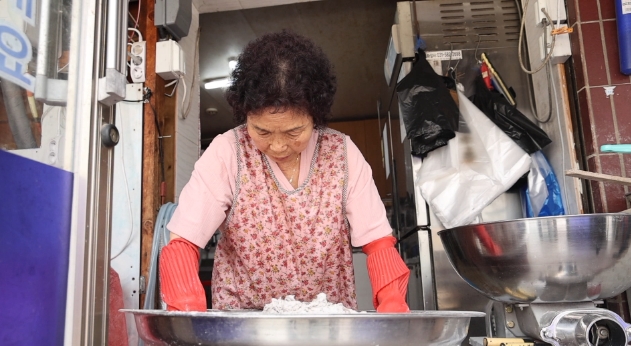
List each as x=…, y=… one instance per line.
x=516, y=125
x=429, y=112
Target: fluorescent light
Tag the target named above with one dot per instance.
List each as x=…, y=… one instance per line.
x=232, y=64
x=218, y=83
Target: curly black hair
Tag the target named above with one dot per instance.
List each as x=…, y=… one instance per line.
x=282, y=70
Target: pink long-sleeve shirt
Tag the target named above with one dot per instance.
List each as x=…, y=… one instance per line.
x=206, y=199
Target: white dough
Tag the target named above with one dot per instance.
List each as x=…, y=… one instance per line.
x=320, y=305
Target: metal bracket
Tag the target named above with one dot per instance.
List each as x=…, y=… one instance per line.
x=53, y=92
x=112, y=87
x=142, y=283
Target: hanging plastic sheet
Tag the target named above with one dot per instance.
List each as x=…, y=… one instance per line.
x=480, y=163
x=516, y=125
x=429, y=113
x=542, y=196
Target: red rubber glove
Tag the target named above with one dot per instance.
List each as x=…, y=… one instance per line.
x=179, y=277
x=388, y=275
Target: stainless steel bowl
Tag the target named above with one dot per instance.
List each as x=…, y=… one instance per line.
x=245, y=328
x=549, y=259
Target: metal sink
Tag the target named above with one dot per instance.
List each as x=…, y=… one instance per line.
x=255, y=328
x=542, y=260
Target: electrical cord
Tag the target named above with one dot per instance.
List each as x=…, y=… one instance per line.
x=184, y=91
x=195, y=77
x=137, y=32
x=137, y=18
x=131, y=213
x=160, y=149
x=138, y=14
x=533, y=109
x=521, y=37
x=550, y=85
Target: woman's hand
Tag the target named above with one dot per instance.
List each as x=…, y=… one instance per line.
x=391, y=300
x=388, y=275
x=179, y=276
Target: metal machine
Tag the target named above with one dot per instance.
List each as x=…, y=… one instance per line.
x=549, y=277
x=456, y=33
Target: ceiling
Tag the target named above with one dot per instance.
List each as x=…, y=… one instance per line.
x=353, y=33
x=204, y=6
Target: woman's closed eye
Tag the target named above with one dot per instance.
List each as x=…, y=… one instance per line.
x=264, y=133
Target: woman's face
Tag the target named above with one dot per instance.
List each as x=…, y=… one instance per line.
x=282, y=135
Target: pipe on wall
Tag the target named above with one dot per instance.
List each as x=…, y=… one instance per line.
x=16, y=113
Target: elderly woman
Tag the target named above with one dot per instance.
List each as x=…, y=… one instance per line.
x=288, y=195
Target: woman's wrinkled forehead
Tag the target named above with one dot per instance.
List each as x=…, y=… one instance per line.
x=272, y=120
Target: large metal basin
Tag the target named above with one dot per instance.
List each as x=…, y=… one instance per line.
x=245, y=328
x=550, y=259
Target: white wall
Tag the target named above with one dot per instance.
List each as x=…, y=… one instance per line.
x=187, y=130
x=127, y=180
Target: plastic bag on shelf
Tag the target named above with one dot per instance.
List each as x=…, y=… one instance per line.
x=516, y=125
x=480, y=163
x=429, y=113
x=542, y=196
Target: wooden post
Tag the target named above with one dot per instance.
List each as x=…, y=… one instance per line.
x=160, y=110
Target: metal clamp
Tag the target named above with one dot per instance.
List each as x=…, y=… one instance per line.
x=112, y=86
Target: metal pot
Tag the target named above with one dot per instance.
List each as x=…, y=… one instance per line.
x=550, y=259
x=255, y=328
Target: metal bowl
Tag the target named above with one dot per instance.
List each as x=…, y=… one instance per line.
x=549, y=259
x=245, y=328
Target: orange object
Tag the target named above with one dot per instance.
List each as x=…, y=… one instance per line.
x=179, y=276
x=562, y=30
x=489, y=244
x=486, y=76
x=391, y=299
x=117, y=325
x=388, y=275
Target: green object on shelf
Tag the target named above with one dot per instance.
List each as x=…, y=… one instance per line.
x=616, y=148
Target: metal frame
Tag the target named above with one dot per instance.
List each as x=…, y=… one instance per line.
x=91, y=163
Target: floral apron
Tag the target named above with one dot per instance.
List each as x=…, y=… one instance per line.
x=276, y=242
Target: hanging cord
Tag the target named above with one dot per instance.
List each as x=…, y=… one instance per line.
x=549, y=81
x=137, y=32
x=195, y=77
x=131, y=213
x=521, y=37
x=161, y=237
x=135, y=20
x=533, y=109
x=147, y=100
x=160, y=150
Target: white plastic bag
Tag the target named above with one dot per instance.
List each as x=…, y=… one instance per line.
x=480, y=163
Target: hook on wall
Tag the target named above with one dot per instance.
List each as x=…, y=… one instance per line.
x=475, y=54
x=452, y=71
